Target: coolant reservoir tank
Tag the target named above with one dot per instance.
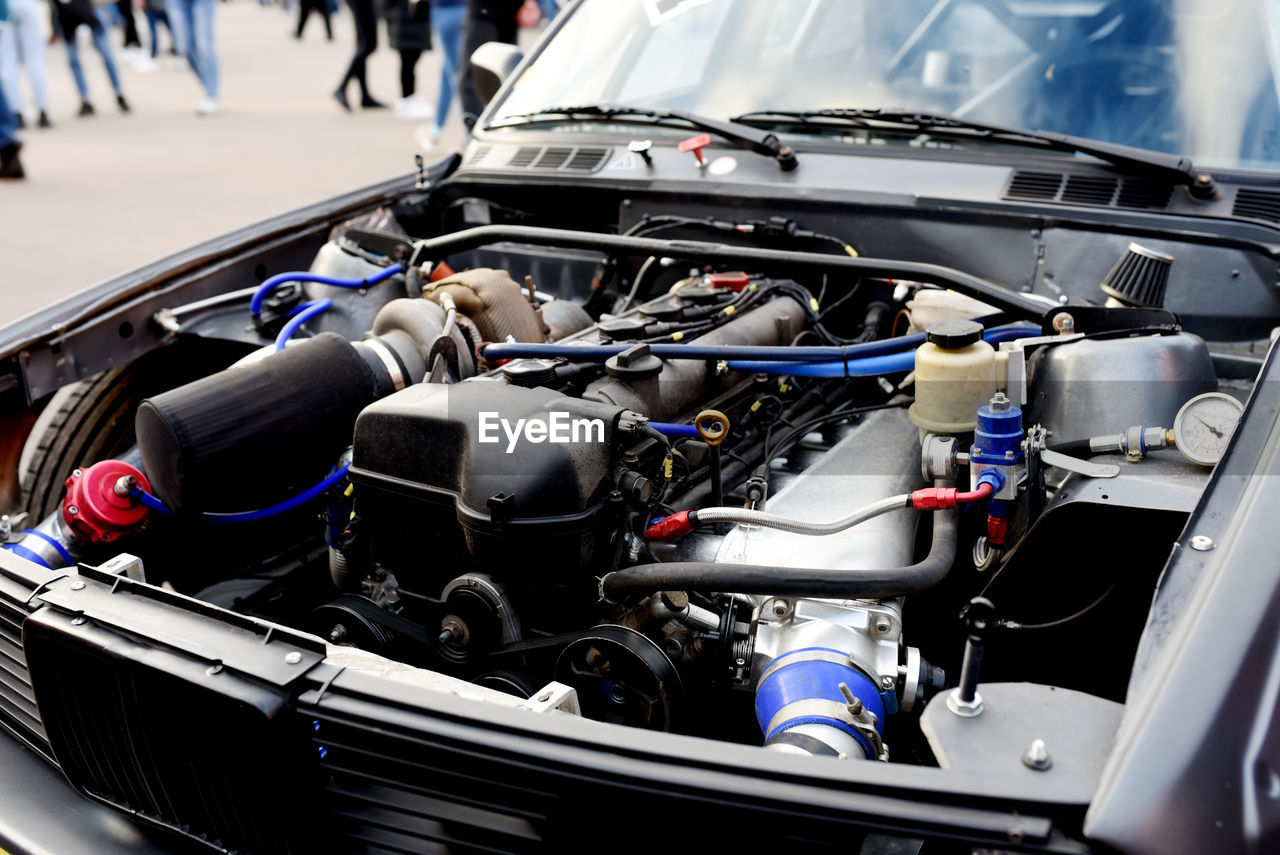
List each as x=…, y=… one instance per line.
x=955, y=375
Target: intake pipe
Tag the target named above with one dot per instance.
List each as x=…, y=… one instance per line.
x=824, y=582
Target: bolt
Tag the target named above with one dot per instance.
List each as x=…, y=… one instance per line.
x=78, y=621
x=77, y=586
x=677, y=601
x=1037, y=756
x=1204, y=178
x=76, y=473
x=781, y=608
x=1008, y=455
x=72, y=510
x=215, y=668
x=338, y=633
x=125, y=485
x=887, y=682
x=1000, y=403
x=1202, y=543
x=1064, y=323
x=883, y=626
x=851, y=701
x=293, y=657
x=1016, y=836
x=453, y=632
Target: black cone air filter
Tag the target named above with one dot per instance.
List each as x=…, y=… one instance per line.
x=1139, y=278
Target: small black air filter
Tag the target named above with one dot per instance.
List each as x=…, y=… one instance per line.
x=1139, y=278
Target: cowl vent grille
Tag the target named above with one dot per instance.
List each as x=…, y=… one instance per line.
x=1035, y=185
x=1102, y=190
x=582, y=159
x=1257, y=205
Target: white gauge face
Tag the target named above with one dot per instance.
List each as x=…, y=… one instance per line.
x=1204, y=427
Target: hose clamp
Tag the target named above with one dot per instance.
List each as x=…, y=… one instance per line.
x=388, y=361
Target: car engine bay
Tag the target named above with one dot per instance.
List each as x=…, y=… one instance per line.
x=779, y=493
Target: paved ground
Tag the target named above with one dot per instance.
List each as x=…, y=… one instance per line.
x=112, y=191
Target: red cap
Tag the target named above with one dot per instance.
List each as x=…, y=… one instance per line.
x=95, y=510
x=696, y=145
x=440, y=271
x=734, y=280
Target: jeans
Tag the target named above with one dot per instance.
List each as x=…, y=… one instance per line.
x=8, y=120
x=197, y=31
x=154, y=18
x=103, y=47
x=28, y=49
x=175, y=27
x=448, y=22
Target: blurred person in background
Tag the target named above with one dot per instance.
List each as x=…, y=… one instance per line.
x=366, y=19
x=306, y=7
x=10, y=166
x=448, y=17
x=157, y=13
x=194, y=29
x=124, y=15
x=71, y=15
x=22, y=43
x=409, y=33
x=487, y=21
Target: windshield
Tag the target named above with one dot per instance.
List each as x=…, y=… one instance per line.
x=1189, y=77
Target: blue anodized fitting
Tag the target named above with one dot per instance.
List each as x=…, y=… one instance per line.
x=997, y=439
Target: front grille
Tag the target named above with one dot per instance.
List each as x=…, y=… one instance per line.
x=18, y=712
x=156, y=744
x=400, y=791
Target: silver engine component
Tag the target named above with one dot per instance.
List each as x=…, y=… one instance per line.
x=827, y=671
x=876, y=460
x=1089, y=387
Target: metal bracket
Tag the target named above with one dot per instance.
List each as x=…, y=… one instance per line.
x=554, y=697
x=1080, y=467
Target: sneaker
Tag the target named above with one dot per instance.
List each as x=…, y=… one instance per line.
x=124, y=105
x=368, y=102
x=44, y=120
x=207, y=107
x=340, y=96
x=10, y=166
x=145, y=65
x=415, y=108
x=86, y=109
x=427, y=137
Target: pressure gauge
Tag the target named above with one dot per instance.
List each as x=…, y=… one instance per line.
x=1204, y=426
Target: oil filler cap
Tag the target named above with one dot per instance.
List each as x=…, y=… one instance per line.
x=954, y=334
x=634, y=363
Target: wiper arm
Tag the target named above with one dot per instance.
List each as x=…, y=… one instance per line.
x=741, y=136
x=1172, y=167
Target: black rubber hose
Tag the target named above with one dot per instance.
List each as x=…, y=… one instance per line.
x=1075, y=446
x=881, y=584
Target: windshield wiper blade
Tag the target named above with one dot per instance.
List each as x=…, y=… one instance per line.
x=741, y=136
x=1172, y=167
